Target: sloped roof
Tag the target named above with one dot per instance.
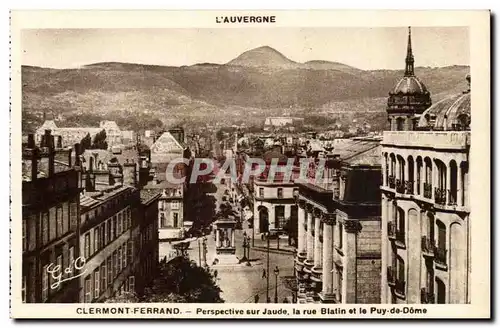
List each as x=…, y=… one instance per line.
x=166, y=143
x=359, y=152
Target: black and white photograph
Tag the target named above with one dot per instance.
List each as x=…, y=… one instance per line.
x=292, y=169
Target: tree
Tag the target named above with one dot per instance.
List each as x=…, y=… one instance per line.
x=179, y=281
x=100, y=141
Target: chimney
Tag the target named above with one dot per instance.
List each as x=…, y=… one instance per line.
x=130, y=174
x=70, y=151
x=77, y=154
x=49, y=139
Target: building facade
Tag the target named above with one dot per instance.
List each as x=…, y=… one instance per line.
x=273, y=199
x=50, y=216
x=425, y=204
x=338, y=254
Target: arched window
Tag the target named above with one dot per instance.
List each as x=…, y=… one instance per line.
x=400, y=124
x=419, y=175
x=428, y=178
x=453, y=183
x=441, y=291
x=411, y=173
x=440, y=255
x=440, y=189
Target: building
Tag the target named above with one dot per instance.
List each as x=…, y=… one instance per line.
x=274, y=202
x=338, y=253
x=117, y=231
x=51, y=197
x=425, y=199
x=68, y=136
x=282, y=121
x=170, y=208
x=169, y=146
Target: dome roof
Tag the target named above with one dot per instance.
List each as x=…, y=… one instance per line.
x=451, y=113
x=410, y=85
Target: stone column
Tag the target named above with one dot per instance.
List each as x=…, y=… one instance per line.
x=310, y=238
x=318, y=245
x=448, y=183
x=350, y=269
x=301, y=245
x=232, y=238
x=434, y=179
x=328, y=256
x=217, y=237
x=385, y=254
x=460, y=190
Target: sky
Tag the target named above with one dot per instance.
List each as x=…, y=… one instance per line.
x=364, y=48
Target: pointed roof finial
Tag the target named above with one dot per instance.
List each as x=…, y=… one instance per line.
x=409, y=70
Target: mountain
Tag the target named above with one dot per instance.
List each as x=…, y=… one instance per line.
x=258, y=83
x=263, y=57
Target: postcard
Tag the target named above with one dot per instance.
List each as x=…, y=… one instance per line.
x=250, y=164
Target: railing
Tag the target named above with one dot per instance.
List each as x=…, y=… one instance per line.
x=428, y=246
x=440, y=256
x=440, y=196
x=426, y=297
x=452, y=197
x=391, y=276
x=400, y=186
x=409, y=187
x=427, y=190
x=394, y=233
x=392, y=181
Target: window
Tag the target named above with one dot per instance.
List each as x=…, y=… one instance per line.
x=59, y=222
x=104, y=276
x=279, y=216
x=59, y=263
x=176, y=219
x=25, y=237
x=440, y=256
x=105, y=227
x=71, y=260
x=45, y=228
x=341, y=236
x=114, y=232
x=124, y=256
x=23, y=289
x=65, y=215
x=163, y=220
x=102, y=232
x=131, y=284
x=115, y=264
x=87, y=246
x=119, y=231
x=96, y=240
x=261, y=192
x=119, y=265
x=280, y=192
x=88, y=290
x=45, y=283
x=110, y=225
x=110, y=269
x=130, y=251
x=96, y=284
x=175, y=205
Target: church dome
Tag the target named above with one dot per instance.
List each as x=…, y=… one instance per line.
x=451, y=113
x=410, y=85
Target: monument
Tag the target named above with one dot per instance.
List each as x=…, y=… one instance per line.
x=224, y=240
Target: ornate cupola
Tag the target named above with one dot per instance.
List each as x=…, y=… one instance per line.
x=409, y=98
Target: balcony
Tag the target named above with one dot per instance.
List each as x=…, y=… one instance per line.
x=400, y=186
x=440, y=256
x=391, y=276
x=440, y=196
x=452, y=197
x=428, y=246
x=394, y=234
x=427, y=190
x=433, y=139
x=392, y=181
x=409, y=187
x=426, y=296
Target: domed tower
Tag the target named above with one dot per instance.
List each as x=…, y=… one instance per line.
x=409, y=98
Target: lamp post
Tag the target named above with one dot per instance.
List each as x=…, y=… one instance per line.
x=205, y=251
x=276, y=273
x=268, y=273
x=245, y=246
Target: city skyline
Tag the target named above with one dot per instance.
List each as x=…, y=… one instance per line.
x=72, y=48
